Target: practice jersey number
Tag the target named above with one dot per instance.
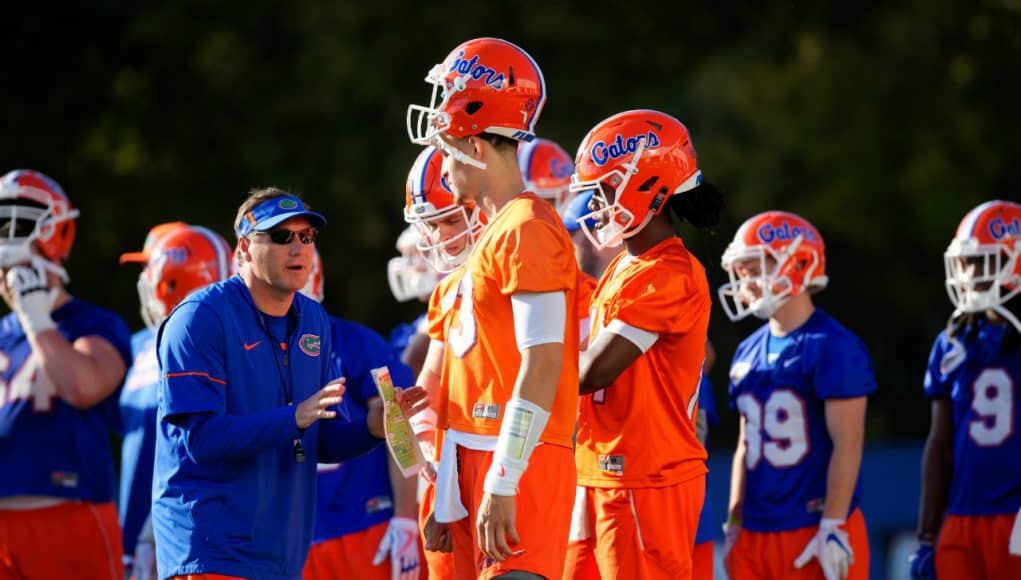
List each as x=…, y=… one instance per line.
x=782, y=421
x=463, y=334
x=992, y=406
x=29, y=382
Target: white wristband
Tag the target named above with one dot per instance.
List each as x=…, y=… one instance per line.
x=423, y=421
x=523, y=424
x=830, y=524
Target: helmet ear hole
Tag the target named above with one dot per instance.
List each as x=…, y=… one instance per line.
x=648, y=184
x=473, y=107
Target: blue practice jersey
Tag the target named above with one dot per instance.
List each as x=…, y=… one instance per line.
x=981, y=383
x=356, y=494
x=781, y=398
x=138, y=424
x=401, y=334
x=47, y=447
x=707, y=403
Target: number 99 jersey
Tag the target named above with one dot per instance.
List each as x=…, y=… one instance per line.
x=781, y=394
x=981, y=382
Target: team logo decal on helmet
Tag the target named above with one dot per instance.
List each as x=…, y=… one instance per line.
x=774, y=256
x=983, y=261
x=485, y=85
x=633, y=162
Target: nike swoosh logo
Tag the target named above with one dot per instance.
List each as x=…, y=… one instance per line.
x=252, y=345
x=791, y=361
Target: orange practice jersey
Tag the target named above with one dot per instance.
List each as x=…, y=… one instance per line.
x=586, y=286
x=524, y=249
x=640, y=431
x=438, y=318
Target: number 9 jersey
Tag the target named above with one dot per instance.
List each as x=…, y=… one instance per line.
x=981, y=380
x=780, y=385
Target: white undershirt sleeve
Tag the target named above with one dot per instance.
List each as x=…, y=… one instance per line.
x=643, y=339
x=539, y=317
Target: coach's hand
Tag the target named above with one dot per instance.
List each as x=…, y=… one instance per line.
x=496, y=526
x=437, y=535
x=318, y=405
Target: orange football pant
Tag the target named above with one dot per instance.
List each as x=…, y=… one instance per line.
x=767, y=555
x=702, y=561
x=542, y=514
x=639, y=532
x=73, y=539
x=976, y=547
x=349, y=556
x=205, y=577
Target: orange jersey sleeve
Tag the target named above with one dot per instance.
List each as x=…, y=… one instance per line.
x=525, y=248
x=640, y=431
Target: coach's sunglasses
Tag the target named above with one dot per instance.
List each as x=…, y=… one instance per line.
x=285, y=236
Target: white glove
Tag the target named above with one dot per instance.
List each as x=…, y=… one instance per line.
x=1014, y=547
x=832, y=548
x=401, y=542
x=144, y=565
x=730, y=532
x=32, y=299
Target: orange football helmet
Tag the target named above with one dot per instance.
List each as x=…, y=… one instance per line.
x=546, y=169
x=314, y=286
x=155, y=234
x=35, y=211
x=633, y=161
x=983, y=261
x=446, y=231
x=485, y=85
x=790, y=256
x=182, y=261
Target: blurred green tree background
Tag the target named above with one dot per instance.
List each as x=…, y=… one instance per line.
x=882, y=123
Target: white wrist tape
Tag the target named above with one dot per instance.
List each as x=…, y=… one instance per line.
x=829, y=524
x=523, y=424
x=423, y=421
x=32, y=299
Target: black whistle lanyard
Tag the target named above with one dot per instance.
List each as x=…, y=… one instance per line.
x=285, y=377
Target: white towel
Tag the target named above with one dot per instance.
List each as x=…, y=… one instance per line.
x=579, y=517
x=449, y=507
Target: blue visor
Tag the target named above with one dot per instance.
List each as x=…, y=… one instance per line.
x=577, y=207
x=274, y=212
